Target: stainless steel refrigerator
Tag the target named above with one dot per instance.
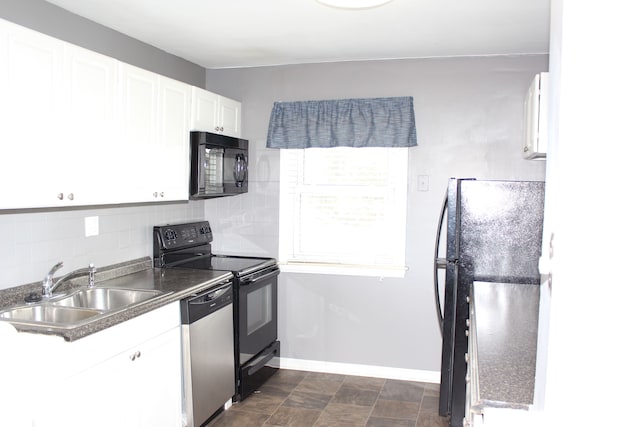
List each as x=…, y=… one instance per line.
x=493, y=234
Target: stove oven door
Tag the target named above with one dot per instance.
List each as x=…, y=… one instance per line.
x=257, y=332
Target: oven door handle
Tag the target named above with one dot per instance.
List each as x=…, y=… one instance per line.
x=266, y=276
x=263, y=361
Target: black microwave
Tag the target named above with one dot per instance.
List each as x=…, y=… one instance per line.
x=219, y=165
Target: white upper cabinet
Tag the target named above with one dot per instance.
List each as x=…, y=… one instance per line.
x=139, y=121
x=30, y=107
x=90, y=125
x=204, y=110
x=215, y=113
x=229, y=112
x=155, y=115
x=81, y=128
x=172, y=157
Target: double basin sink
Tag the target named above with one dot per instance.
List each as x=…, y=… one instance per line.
x=78, y=307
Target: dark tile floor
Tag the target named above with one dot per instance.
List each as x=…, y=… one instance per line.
x=305, y=399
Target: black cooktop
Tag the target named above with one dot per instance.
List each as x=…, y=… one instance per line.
x=189, y=246
x=238, y=265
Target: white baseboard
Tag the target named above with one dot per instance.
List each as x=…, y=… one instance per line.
x=361, y=370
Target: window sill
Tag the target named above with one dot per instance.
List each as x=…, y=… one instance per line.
x=343, y=270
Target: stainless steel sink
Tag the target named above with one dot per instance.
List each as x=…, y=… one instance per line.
x=105, y=299
x=48, y=314
x=78, y=308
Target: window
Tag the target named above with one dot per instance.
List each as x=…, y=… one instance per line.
x=343, y=210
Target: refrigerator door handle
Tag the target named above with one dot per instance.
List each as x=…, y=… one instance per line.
x=439, y=263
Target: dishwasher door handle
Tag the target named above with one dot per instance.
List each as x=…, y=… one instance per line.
x=262, y=360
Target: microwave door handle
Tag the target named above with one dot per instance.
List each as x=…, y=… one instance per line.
x=201, y=171
x=240, y=171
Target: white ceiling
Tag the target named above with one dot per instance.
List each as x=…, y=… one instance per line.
x=248, y=33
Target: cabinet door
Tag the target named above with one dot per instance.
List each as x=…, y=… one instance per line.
x=172, y=153
x=91, y=132
x=204, y=111
x=229, y=113
x=137, y=388
x=30, y=107
x=158, y=401
x=136, y=172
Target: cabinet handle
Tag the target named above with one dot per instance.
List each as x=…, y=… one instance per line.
x=155, y=194
x=60, y=196
x=162, y=194
x=221, y=128
x=135, y=355
x=70, y=196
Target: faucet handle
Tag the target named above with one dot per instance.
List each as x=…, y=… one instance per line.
x=49, y=276
x=47, y=282
x=56, y=267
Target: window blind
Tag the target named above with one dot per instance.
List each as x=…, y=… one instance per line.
x=343, y=211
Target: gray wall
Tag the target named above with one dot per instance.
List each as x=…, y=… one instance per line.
x=36, y=239
x=57, y=22
x=469, y=124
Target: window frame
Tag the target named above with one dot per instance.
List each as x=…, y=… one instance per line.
x=286, y=236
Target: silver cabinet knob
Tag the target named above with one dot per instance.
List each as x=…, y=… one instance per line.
x=135, y=355
x=221, y=128
x=162, y=194
x=60, y=196
x=155, y=194
x=70, y=196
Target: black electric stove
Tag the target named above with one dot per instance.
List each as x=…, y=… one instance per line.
x=255, y=293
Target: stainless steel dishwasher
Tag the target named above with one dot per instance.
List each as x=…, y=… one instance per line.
x=207, y=351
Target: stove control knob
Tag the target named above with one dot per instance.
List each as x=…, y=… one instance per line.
x=170, y=235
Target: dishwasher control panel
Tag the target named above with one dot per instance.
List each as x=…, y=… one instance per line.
x=202, y=304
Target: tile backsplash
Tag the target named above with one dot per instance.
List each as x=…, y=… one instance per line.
x=33, y=241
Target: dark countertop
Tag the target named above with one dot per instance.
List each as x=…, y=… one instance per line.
x=505, y=321
x=175, y=284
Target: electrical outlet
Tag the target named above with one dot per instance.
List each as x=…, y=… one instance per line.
x=91, y=226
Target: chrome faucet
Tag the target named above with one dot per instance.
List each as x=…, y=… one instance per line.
x=48, y=286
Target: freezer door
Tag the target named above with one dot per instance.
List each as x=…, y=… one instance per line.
x=501, y=230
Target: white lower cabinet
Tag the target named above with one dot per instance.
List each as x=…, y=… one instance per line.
x=102, y=384
x=134, y=388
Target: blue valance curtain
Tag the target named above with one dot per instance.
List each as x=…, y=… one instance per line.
x=370, y=122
